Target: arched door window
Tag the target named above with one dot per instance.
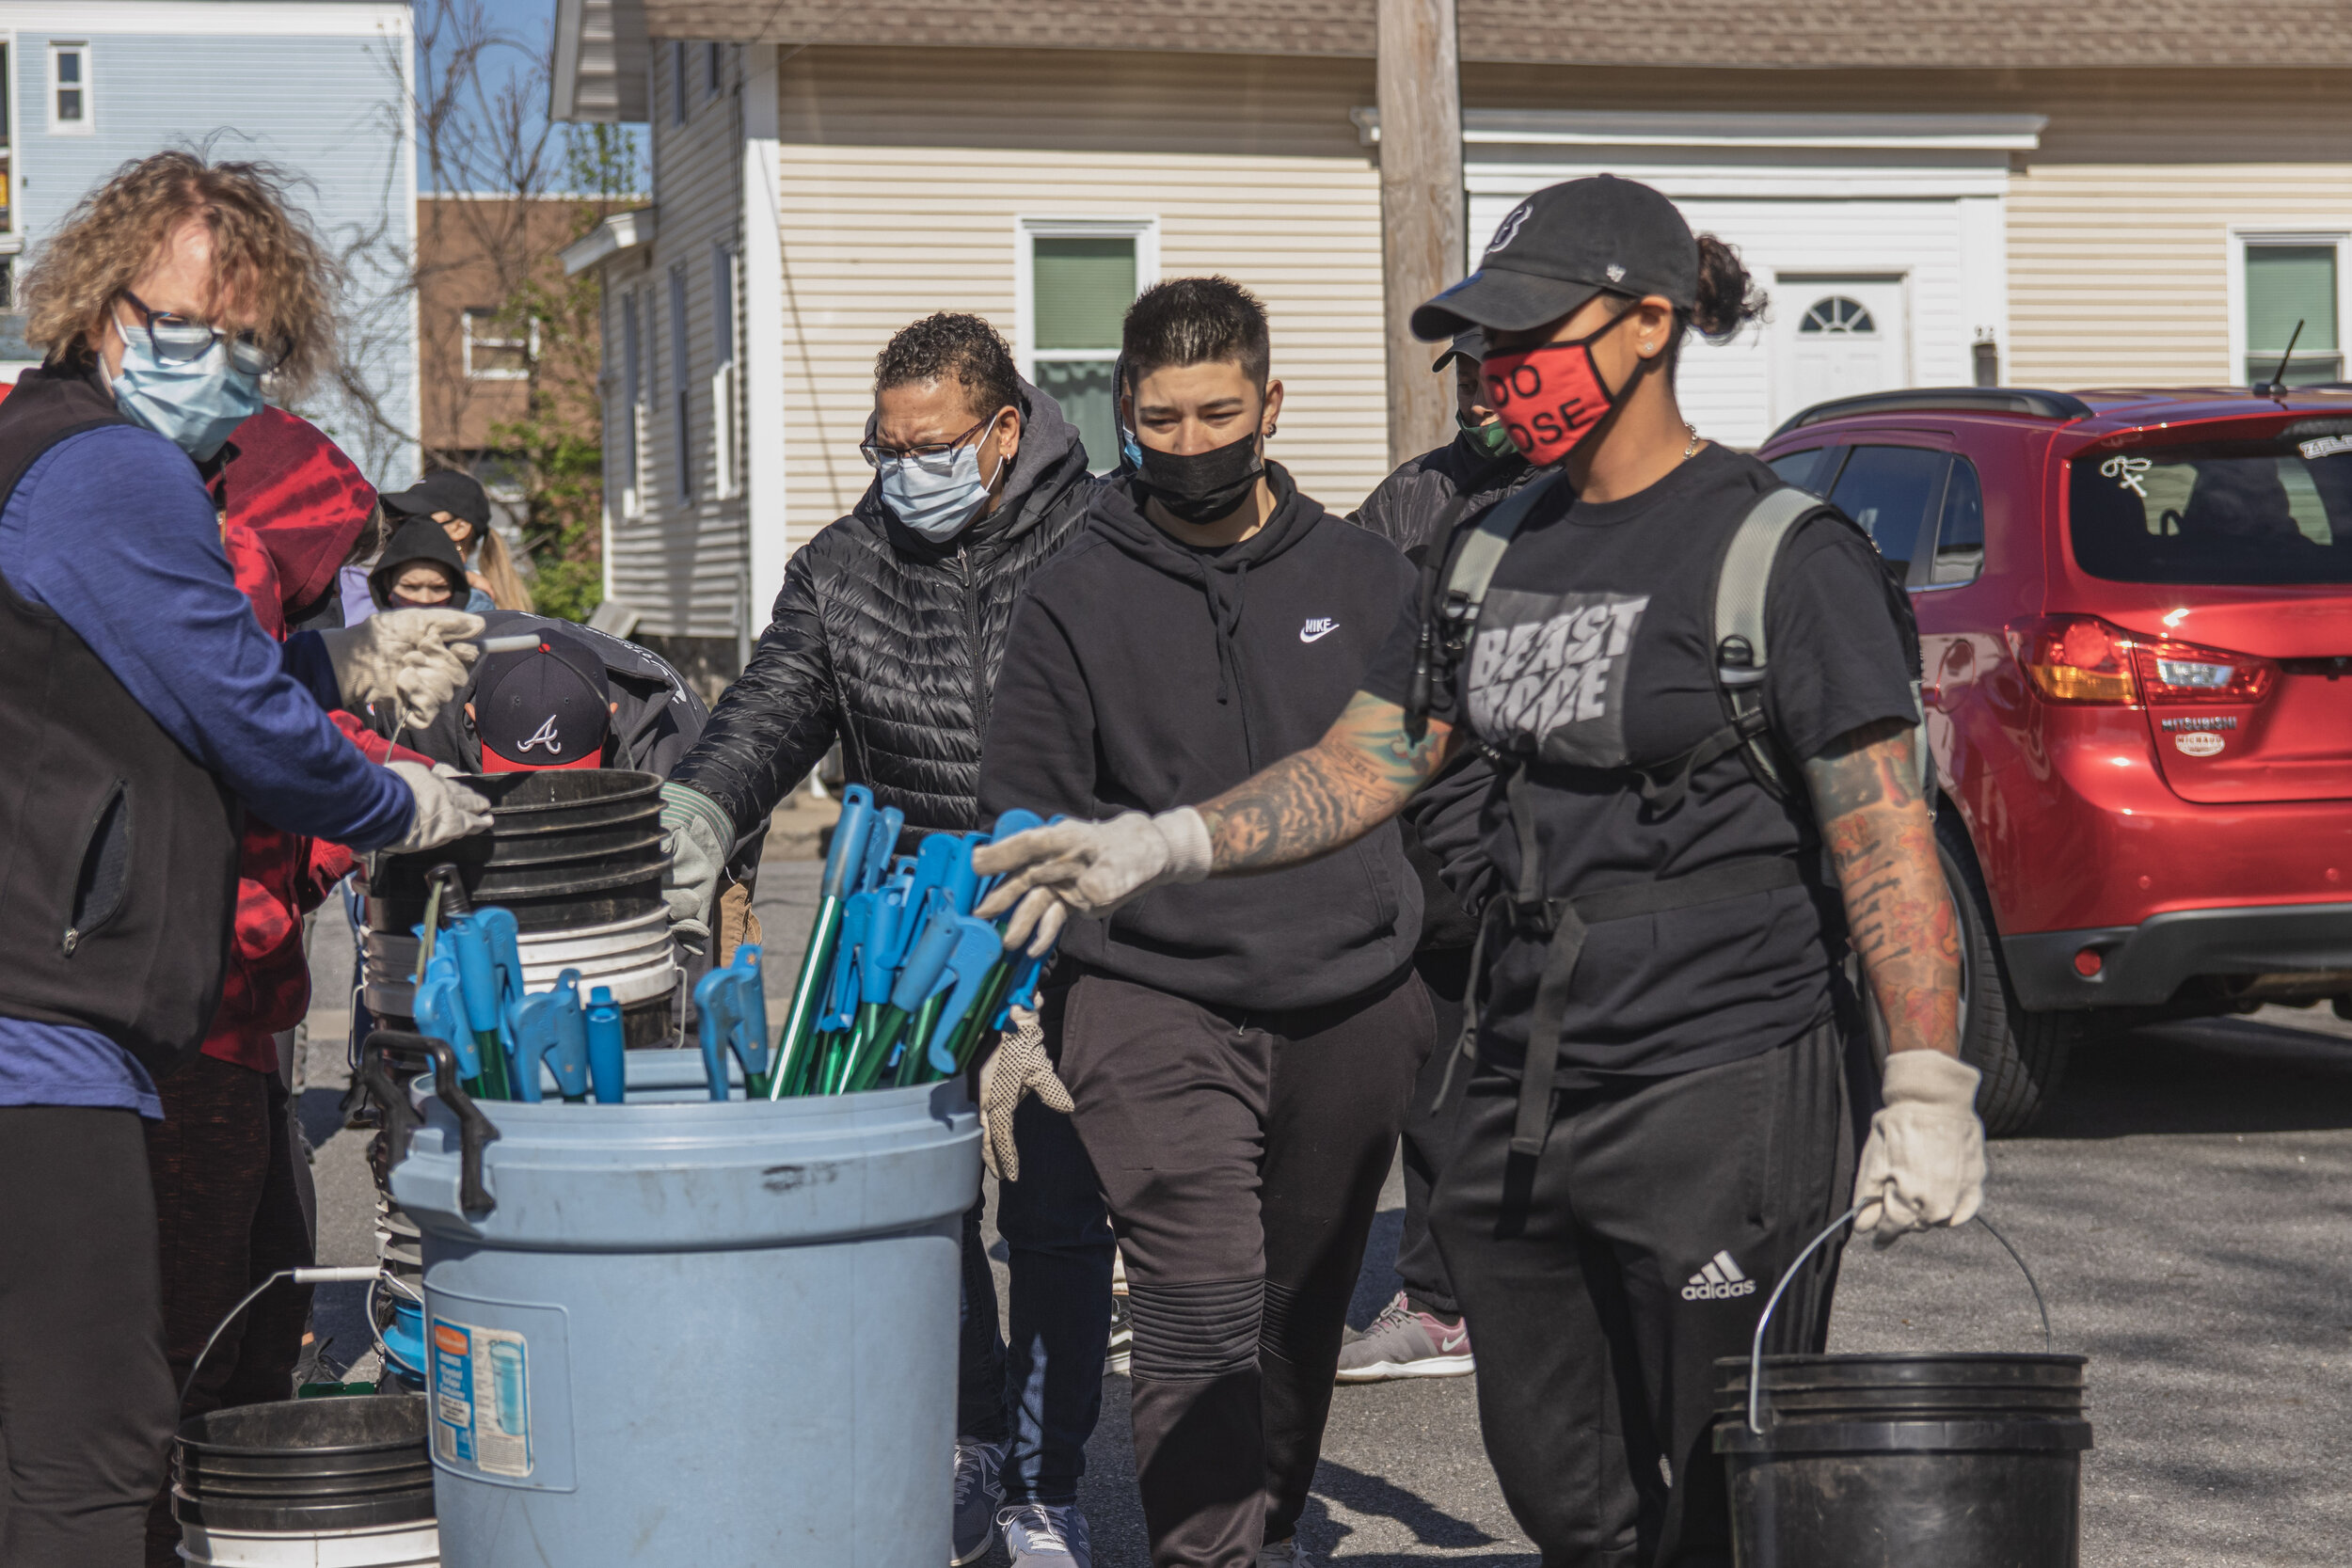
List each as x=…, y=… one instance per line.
x=1840, y=315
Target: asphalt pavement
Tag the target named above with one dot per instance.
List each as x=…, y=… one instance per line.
x=2184, y=1207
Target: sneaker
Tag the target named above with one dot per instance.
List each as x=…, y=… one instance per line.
x=1283, y=1554
x=1401, y=1342
x=977, y=1494
x=1040, y=1535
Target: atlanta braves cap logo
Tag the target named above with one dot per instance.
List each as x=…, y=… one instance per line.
x=545, y=736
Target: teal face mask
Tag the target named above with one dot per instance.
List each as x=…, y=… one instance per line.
x=193, y=403
x=1492, y=438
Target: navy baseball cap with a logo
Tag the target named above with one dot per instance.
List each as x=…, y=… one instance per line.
x=1562, y=245
x=548, y=706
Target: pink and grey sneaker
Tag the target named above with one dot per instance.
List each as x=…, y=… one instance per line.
x=1403, y=1342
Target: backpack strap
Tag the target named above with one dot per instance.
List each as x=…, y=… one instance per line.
x=1457, y=588
x=1743, y=579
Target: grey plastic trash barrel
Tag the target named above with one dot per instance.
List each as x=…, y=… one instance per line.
x=691, y=1332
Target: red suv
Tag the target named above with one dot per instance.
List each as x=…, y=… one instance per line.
x=2135, y=615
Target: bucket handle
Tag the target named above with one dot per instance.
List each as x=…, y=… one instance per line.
x=1756, y=1349
x=401, y=1120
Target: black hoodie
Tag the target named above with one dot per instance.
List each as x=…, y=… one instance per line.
x=418, y=539
x=1142, y=675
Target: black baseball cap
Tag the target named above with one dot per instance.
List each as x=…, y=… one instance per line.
x=1469, y=345
x=548, y=706
x=1562, y=245
x=443, y=490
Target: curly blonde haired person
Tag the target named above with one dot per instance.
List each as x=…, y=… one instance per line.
x=209, y=258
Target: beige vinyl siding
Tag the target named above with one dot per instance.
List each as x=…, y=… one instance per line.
x=905, y=175
x=2119, y=223
x=682, y=561
x=2119, y=273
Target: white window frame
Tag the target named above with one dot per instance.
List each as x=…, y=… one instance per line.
x=1145, y=232
x=88, y=86
x=2244, y=237
x=529, y=344
x=726, y=279
x=634, y=342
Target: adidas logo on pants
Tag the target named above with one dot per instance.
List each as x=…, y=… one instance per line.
x=1719, y=1281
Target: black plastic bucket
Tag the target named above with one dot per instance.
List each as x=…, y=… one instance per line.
x=305, y=1466
x=567, y=848
x=1897, y=1460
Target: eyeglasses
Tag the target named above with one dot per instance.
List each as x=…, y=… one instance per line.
x=938, y=460
x=176, y=339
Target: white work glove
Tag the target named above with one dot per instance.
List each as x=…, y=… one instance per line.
x=699, y=834
x=446, y=811
x=1089, y=870
x=1924, y=1163
x=414, y=661
x=1017, y=1067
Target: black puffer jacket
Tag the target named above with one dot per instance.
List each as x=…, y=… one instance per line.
x=891, y=644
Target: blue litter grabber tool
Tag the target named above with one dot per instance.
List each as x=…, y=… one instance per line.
x=844, y=860
x=607, y=1056
x=978, y=947
x=549, y=1026
x=734, y=1016
x=441, y=1013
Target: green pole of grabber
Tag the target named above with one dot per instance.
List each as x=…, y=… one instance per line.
x=841, y=863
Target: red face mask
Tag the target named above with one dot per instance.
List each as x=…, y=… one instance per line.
x=1551, y=397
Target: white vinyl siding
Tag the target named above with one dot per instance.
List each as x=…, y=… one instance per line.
x=907, y=176
x=681, y=561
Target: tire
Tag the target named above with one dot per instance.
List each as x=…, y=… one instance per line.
x=2022, y=1054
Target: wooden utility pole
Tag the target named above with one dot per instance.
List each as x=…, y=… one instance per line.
x=1420, y=92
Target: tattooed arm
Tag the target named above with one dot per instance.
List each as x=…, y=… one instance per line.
x=1358, y=776
x=1865, y=796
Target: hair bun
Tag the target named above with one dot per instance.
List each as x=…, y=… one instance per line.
x=1728, y=298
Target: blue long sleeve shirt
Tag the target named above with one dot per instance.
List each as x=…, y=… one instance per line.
x=112, y=531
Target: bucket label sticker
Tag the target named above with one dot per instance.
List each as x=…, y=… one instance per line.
x=482, y=1397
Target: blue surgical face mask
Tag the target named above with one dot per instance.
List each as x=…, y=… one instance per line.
x=936, y=497
x=193, y=403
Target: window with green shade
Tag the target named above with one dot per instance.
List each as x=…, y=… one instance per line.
x=1084, y=287
x=1080, y=286
x=2286, y=284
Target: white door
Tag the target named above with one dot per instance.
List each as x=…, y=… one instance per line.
x=1839, y=336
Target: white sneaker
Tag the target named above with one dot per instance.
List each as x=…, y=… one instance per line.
x=977, y=1493
x=1040, y=1535
x=1283, y=1554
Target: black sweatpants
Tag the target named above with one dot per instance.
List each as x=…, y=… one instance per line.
x=86, y=1401
x=1429, y=1131
x=228, y=1215
x=1242, y=1155
x=1603, y=1277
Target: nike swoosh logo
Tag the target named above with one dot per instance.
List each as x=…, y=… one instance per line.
x=1447, y=1347
x=1316, y=637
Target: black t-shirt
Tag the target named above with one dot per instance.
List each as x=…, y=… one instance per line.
x=1594, y=650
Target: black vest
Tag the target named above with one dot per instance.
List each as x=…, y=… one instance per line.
x=118, y=850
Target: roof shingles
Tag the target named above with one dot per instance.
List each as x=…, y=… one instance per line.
x=1786, y=35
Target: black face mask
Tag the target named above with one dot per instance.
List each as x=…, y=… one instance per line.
x=1202, y=486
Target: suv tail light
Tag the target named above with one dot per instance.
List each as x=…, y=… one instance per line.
x=2080, y=658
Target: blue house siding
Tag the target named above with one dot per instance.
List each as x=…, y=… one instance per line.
x=326, y=110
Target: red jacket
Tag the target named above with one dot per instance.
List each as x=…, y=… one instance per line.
x=292, y=508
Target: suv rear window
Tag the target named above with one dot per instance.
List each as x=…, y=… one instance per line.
x=2269, y=512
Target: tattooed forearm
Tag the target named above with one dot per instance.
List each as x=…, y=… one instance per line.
x=1314, y=801
x=1898, y=913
